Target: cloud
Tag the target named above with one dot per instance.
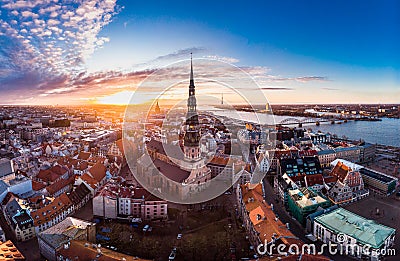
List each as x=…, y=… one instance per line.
x=330, y=89
x=72, y=26
x=311, y=78
x=222, y=58
x=276, y=88
x=28, y=14
x=302, y=79
x=44, y=45
x=22, y=4
x=182, y=53
x=44, y=51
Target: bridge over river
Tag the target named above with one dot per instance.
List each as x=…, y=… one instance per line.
x=300, y=122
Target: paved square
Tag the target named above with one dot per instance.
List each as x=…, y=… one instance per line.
x=389, y=213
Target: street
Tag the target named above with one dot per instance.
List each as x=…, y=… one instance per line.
x=294, y=225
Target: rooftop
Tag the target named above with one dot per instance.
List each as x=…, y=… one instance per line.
x=362, y=229
x=305, y=197
x=171, y=171
x=50, y=211
x=63, y=231
x=263, y=217
x=173, y=151
x=98, y=171
x=377, y=175
x=78, y=194
x=349, y=164
x=115, y=189
x=9, y=252
x=80, y=250
x=304, y=165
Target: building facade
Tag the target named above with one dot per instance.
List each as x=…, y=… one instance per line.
x=305, y=201
x=118, y=201
x=356, y=233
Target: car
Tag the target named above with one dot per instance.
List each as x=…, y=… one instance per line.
x=179, y=236
x=172, y=256
x=136, y=220
x=145, y=228
x=311, y=237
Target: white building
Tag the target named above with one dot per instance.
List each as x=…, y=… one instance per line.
x=116, y=200
x=353, y=233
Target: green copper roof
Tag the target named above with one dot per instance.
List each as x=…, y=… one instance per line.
x=363, y=230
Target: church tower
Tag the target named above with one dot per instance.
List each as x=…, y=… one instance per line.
x=157, y=109
x=191, y=140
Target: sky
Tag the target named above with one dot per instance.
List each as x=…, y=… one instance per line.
x=78, y=51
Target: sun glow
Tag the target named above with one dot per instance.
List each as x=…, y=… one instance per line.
x=124, y=98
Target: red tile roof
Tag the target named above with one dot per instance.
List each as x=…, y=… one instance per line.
x=120, y=146
x=89, y=180
x=50, y=211
x=47, y=176
x=8, y=251
x=84, y=155
x=36, y=186
x=314, y=180
x=221, y=161
x=98, y=171
x=79, y=194
x=59, y=170
x=340, y=171
x=82, y=166
x=58, y=185
x=263, y=217
x=330, y=179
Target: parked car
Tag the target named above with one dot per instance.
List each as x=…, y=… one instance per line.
x=145, y=228
x=172, y=256
x=136, y=220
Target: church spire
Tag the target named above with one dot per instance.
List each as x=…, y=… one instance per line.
x=192, y=135
x=191, y=85
x=157, y=109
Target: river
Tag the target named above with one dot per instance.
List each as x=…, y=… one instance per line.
x=384, y=132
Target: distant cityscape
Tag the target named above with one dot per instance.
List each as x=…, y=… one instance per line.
x=199, y=130
x=87, y=183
